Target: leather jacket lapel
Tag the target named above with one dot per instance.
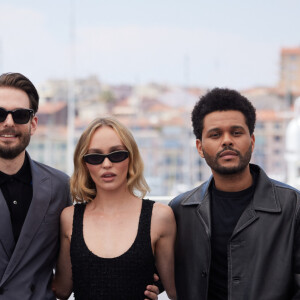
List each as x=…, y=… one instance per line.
x=200, y=197
x=260, y=202
x=247, y=218
x=203, y=211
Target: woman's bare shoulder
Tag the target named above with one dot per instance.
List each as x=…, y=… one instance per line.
x=163, y=220
x=162, y=213
x=67, y=212
x=66, y=216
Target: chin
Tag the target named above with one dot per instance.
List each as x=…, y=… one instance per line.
x=230, y=170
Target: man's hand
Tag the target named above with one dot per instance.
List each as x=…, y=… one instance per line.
x=152, y=291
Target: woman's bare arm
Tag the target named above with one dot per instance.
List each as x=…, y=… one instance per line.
x=164, y=228
x=62, y=284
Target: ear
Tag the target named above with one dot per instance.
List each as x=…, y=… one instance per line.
x=33, y=124
x=252, y=141
x=199, y=147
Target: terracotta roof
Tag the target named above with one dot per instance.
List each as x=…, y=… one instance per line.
x=268, y=115
x=159, y=107
x=44, y=130
x=295, y=50
x=175, y=121
x=51, y=107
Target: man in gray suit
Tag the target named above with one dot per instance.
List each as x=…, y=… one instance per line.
x=32, y=196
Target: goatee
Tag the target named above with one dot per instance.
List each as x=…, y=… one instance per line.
x=11, y=152
x=215, y=166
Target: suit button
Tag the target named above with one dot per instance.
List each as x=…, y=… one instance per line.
x=204, y=274
x=32, y=287
x=1, y=290
x=236, y=280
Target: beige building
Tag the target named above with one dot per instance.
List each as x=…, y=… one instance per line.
x=269, y=150
x=290, y=71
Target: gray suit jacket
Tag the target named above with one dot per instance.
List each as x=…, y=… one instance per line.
x=26, y=268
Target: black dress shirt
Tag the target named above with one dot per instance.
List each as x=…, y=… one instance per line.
x=17, y=191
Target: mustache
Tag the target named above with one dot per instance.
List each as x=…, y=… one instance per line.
x=8, y=131
x=228, y=148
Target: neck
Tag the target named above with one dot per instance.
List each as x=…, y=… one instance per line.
x=112, y=200
x=233, y=182
x=12, y=166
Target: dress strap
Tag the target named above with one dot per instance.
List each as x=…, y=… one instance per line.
x=78, y=220
x=145, y=220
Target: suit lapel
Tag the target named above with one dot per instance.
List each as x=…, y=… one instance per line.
x=36, y=213
x=6, y=233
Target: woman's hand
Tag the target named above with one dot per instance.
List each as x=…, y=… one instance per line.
x=152, y=291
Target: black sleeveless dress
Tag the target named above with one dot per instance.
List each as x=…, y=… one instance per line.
x=123, y=277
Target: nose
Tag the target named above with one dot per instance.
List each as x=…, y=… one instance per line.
x=227, y=139
x=106, y=163
x=9, y=120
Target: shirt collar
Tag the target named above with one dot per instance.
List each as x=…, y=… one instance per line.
x=23, y=175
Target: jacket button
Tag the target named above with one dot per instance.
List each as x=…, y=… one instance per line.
x=236, y=280
x=1, y=290
x=32, y=288
x=204, y=274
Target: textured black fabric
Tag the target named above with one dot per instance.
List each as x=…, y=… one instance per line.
x=123, y=277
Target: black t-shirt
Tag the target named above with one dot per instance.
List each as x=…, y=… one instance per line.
x=226, y=209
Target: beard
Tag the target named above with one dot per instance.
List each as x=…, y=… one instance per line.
x=215, y=166
x=11, y=152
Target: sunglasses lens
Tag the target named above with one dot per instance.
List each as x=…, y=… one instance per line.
x=21, y=116
x=97, y=158
x=118, y=156
x=94, y=159
x=3, y=115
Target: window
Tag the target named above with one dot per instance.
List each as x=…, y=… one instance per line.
x=277, y=138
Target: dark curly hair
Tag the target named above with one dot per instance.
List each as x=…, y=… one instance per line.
x=222, y=99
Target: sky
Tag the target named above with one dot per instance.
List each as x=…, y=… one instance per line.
x=225, y=43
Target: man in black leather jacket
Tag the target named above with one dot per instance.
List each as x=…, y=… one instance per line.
x=238, y=234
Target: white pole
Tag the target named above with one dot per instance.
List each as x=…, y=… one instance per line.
x=71, y=92
x=1, y=57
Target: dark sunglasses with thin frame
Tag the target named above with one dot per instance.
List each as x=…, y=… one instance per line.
x=19, y=115
x=98, y=158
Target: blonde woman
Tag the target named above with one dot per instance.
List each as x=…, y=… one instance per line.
x=112, y=239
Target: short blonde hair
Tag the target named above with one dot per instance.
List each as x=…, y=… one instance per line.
x=83, y=188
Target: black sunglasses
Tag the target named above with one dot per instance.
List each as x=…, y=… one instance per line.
x=97, y=158
x=20, y=115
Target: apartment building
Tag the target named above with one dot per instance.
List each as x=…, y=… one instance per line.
x=289, y=82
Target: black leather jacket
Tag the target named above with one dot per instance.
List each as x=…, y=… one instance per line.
x=263, y=252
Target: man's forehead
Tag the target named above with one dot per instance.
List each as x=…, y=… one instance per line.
x=11, y=98
x=228, y=118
